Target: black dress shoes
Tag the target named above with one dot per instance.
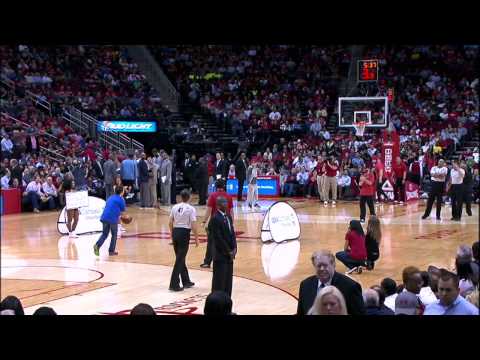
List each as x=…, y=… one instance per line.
x=189, y=285
x=177, y=288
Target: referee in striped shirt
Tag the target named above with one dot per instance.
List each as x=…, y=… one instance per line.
x=183, y=219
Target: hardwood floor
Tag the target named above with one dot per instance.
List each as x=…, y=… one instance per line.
x=34, y=255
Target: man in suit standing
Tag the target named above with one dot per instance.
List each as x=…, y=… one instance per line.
x=201, y=178
x=143, y=182
x=152, y=181
x=190, y=172
x=109, y=175
x=166, y=178
x=324, y=263
x=220, y=167
x=241, y=174
x=97, y=168
x=225, y=247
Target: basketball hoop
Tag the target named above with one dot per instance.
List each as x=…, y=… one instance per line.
x=359, y=128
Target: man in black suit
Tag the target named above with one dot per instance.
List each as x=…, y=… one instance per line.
x=220, y=167
x=224, y=247
x=241, y=173
x=324, y=263
x=201, y=178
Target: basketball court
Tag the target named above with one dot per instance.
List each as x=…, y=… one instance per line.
x=44, y=268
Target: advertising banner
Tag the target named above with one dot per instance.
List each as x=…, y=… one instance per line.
x=267, y=186
x=280, y=223
x=127, y=126
x=412, y=191
x=88, y=219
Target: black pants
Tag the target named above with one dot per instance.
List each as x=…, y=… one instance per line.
x=181, y=240
x=457, y=199
x=363, y=209
x=202, y=193
x=436, y=193
x=208, y=254
x=381, y=192
x=399, y=190
x=240, y=189
x=467, y=199
x=222, y=276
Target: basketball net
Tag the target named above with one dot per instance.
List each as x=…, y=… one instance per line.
x=359, y=128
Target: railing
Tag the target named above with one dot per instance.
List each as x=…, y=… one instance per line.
x=50, y=153
x=81, y=121
x=155, y=74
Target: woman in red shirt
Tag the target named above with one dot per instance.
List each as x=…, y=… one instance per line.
x=354, y=254
x=367, y=192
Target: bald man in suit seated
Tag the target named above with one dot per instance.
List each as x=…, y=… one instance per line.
x=324, y=263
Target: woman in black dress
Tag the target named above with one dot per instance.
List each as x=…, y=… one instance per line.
x=372, y=241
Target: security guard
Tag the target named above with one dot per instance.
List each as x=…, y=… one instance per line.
x=183, y=219
x=438, y=175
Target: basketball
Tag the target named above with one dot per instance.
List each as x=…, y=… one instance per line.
x=126, y=219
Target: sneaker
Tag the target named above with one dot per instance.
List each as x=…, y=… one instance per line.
x=401, y=202
x=359, y=270
x=36, y=211
x=395, y=202
x=96, y=250
x=333, y=203
x=439, y=218
x=325, y=203
x=257, y=206
x=351, y=270
x=362, y=220
x=112, y=253
x=424, y=217
x=205, y=266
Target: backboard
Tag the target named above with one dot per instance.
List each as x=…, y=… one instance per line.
x=372, y=110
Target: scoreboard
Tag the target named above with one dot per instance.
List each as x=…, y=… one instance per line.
x=367, y=70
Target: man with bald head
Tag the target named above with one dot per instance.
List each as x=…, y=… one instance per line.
x=438, y=174
x=324, y=264
x=220, y=228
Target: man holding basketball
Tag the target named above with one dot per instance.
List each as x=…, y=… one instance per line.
x=114, y=208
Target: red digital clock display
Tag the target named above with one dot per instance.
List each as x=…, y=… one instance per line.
x=368, y=70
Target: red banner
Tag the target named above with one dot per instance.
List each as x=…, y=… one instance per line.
x=390, y=150
x=412, y=191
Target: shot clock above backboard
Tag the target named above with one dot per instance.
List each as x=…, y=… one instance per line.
x=367, y=70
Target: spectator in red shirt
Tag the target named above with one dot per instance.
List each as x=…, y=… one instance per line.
x=211, y=210
x=320, y=176
x=354, y=254
x=367, y=191
x=400, y=170
x=331, y=168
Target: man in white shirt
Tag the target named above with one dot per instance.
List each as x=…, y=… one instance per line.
x=456, y=180
x=5, y=180
x=50, y=191
x=343, y=183
x=183, y=218
x=389, y=286
x=7, y=147
x=438, y=174
x=33, y=193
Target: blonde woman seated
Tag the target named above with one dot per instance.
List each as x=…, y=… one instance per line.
x=329, y=301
